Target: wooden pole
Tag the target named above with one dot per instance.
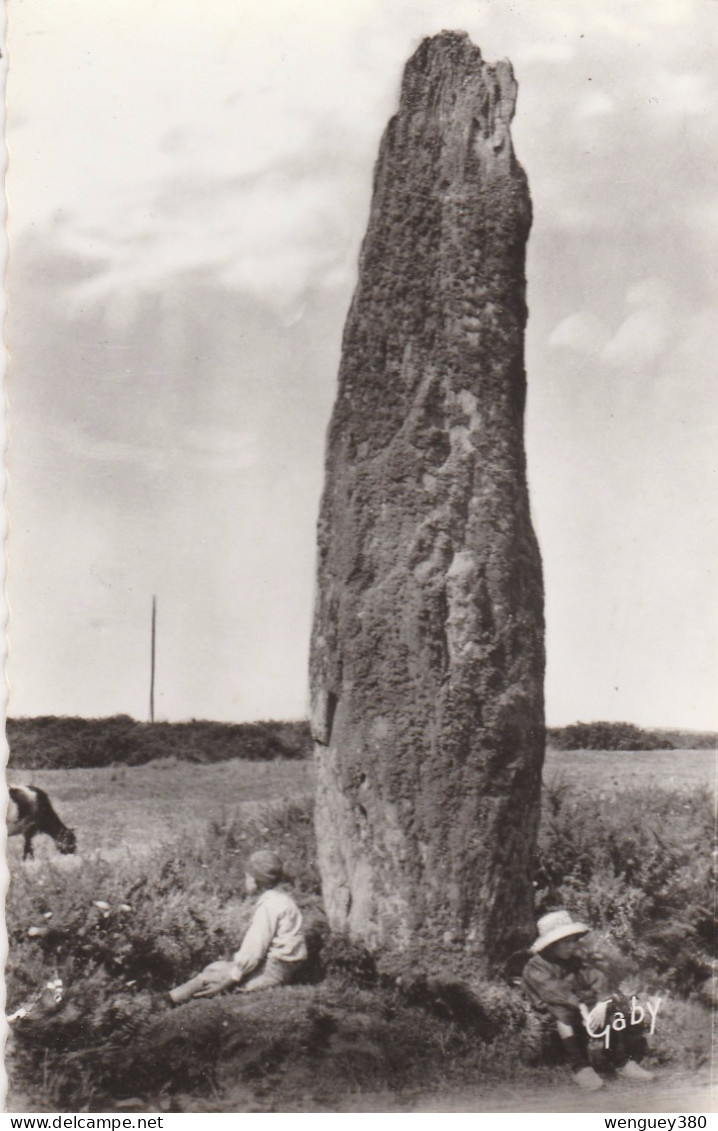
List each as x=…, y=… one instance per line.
x=152, y=660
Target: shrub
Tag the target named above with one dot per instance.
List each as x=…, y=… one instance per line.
x=607, y=736
x=635, y=865
x=50, y=742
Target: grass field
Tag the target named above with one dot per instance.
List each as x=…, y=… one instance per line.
x=127, y=809
x=152, y=895
x=612, y=771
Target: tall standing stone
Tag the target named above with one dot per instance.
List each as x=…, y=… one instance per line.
x=427, y=656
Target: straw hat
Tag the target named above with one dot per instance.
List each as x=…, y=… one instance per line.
x=557, y=925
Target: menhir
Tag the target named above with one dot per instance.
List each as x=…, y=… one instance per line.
x=427, y=655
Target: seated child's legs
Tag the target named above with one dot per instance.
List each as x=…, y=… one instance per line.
x=574, y=1044
x=540, y=1042
x=629, y=1043
x=195, y=987
x=273, y=972
x=548, y=1041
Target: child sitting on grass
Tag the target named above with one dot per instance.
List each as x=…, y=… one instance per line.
x=273, y=948
x=572, y=1002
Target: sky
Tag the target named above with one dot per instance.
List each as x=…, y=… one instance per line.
x=188, y=185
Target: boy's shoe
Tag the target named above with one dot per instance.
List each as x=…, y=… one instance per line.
x=588, y=1079
x=632, y=1071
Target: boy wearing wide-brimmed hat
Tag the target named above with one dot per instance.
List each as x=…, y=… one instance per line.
x=570, y=997
x=273, y=949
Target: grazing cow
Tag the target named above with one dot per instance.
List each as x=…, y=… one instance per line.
x=30, y=812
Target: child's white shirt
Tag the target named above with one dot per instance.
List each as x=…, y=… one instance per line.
x=275, y=932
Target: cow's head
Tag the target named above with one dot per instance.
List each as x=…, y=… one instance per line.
x=66, y=841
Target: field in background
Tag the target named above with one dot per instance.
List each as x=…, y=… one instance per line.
x=116, y=809
x=130, y=809
x=617, y=770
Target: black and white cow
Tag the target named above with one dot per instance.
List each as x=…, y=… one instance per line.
x=30, y=812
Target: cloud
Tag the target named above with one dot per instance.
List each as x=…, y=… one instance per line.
x=213, y=448
x=546, y=52
x=686, y=94
x=220, y=447
x=645, y=334
x=596, y=104
x=654, y=323
x=583, y=332
x=701, y=217
x=638, y=341
x=654, y=293
x=272, y=236
x=96, y=449
x=214, y=144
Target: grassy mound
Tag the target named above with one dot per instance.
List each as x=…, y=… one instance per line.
x=116, y=941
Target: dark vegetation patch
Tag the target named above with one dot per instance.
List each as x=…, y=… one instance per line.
x=117, y=940
x=637, y=865
x=626, y=736
x=57, y=742
x=52, y=742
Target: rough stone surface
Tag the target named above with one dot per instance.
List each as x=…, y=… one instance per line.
x=427, y=656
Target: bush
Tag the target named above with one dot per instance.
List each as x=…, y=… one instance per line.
x=606, y=736
x=626, y=736
x=635, y=866
x=49, y=742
